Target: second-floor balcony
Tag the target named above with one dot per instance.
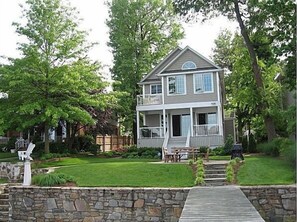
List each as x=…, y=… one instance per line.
x=149, y=99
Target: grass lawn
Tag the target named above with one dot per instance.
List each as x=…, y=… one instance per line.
x=228, y=157
x=5, y=157
x=115, y=172
x=265, y=170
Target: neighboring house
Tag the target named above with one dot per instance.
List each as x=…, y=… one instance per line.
x=181, y=103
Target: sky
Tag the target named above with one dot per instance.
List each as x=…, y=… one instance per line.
x=94, y=14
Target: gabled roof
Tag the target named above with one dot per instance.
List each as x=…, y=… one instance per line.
x=160, y=63
x=195, y=52
x=178, y=55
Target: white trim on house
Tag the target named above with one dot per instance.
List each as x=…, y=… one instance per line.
x=137, y=124
x=151, y=82
x=163, y=90
x=177, y=94
x=189, y=72
x=194, y=83
x=158, y=84
x=177, y=106
x=218, y=87
x=195, y=52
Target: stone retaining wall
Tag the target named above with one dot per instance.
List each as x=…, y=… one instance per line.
x=12, y=171
x=274, y=203
x=96, y=204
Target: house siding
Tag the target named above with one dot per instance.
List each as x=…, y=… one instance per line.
x=190, y=96
x=212, y=141
x=153, y=120
x=188, y=56
x=151, y=142
x=153, y=75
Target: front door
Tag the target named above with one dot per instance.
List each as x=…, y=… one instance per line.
x=180, y=125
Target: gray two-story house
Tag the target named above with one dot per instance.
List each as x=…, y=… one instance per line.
x=181, y=102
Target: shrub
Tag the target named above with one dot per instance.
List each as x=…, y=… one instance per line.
x=228, y=145
x=252, y=146
x=54, y=147
x=144, y=152
x=230, y=172
x=85, y=142
x=237, y=160
x=52, y=179
x=11, y=143
x=199, y=181
x=274, y=147
x=191, y=162
x=289, y=153
x=219, y=151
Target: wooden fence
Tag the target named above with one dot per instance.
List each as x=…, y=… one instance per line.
x=109, y=143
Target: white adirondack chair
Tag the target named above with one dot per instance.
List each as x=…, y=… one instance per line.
x=23, y=155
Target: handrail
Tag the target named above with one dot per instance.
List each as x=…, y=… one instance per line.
x=188, y=137
x=165, y=143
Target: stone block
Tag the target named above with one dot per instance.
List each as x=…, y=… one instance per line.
x=160, y=201
x=68, y=205
x=99, y=206
x=166, y=196
x=28, y=202
x=113, y=203
x=154, y=211
x=88, y=219
x=139, y=203
x=51, y=203
x=114, y=216
x=289, y=204
x=289, y=195
x=81, y=205
x=177, y=212
x=179, y=196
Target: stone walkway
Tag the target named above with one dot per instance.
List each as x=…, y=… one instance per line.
x=225, y=203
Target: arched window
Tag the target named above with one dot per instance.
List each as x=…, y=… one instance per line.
x=189, y=65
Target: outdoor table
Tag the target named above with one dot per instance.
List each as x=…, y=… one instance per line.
x=178, y=152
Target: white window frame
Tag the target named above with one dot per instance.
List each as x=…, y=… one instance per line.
x=203, y=91
x=189, y=62
x=176, y=94
x=156, y=85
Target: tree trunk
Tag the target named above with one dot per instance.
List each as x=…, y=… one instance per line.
x=269, y=124
x=135, y=132
x=46, y=138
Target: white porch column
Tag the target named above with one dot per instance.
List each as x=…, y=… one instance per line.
x=192, y=123
x=144, y=119
x=220, y=120
x=163, y=90
x=164, y=122
x=137, y=122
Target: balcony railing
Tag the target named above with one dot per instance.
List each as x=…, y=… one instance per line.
x=151, y=132
x=208, y=129
x=149, y=99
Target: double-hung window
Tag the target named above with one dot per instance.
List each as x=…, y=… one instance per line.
x=156, y=89
x=176, y=85
x=203, y=83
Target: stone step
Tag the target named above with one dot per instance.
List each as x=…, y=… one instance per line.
x=215, y=175
x=3, y=201
x=214, y=166
x=4, y=208
x=214, y=171
x=215, y=181
x=4, y=196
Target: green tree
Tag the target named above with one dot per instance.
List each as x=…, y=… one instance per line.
x=54, y=79
x=141, y=33
x=242, y=96
x=251, y=17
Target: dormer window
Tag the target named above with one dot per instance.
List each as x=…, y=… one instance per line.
x=189, y=65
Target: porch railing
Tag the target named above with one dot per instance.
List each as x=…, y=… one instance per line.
x=151, y=132
x=204, y=130
x=149, y=99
